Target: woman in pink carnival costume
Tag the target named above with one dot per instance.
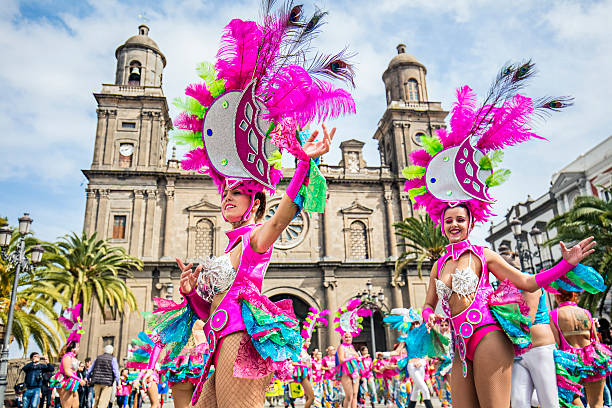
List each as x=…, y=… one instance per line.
x=330, y=389
x=450, y=178
x=263, y=89
x=348, y=364
x=303, y=369
x=66, y=379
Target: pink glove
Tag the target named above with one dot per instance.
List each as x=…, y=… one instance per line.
x=199, y=306
x=301, y=171
x=548, y=276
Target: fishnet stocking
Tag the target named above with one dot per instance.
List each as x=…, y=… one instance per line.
x=223, y=390
x=493, y=370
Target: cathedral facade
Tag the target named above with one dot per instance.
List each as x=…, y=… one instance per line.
x=140, y=200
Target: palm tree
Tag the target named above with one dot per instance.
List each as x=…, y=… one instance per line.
x=85, y=268
x=589, y=216
x=424, y=242
x=34, y=303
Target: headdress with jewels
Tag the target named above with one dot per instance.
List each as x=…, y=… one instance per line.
x=459, y=166
x=266, y=85
x=72, y=321
x=349, y=317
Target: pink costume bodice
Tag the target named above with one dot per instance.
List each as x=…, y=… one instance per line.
x=330, y=363
x=317, y=371
x=477, y=314
x=366, y=372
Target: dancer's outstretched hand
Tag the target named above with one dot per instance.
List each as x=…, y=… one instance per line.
x=315, y=149
x=189, y=278
x=432, y=320
x=578, y=252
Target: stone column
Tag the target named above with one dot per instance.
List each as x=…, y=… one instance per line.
x=330, y=285
x=90, y=205
x=145, y=139
x=155, y=141
x=391, y=238
x=100, y=136
x=168, y=219
x=149, y=223
x=136, y=223
x=101, y=222
x=396, y=290
x=110, y=140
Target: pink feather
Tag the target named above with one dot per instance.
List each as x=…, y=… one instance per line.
x=237, y=53
x=462, y=117
x=189, y=122
x=200, y=93
x=510, y=125
x=420, y=158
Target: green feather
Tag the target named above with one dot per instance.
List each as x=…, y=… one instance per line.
x=186, y=137
x=206, y=71
x=190, y=105
x=431, y=144
x=413, y=192
x=488, y=162
x=413, y=172
x=216, y=88
x=275, y=159
x=497, y=177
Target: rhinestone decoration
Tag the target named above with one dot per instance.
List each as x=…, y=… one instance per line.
x=209, y=132
x=474, y=316
x=433, y=180
x=466, y=329
x=225, y=104
x=445, y=158
x=224, y=162
x=218, y=320
x=449, y=193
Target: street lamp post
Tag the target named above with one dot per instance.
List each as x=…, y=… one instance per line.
x=17, y=259
x=373, y=302
x=538, y=240
x=516, y=226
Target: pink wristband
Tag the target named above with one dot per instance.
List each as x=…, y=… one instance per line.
x=199, y=306
x=427, y=311
x=301, y=171
x=548, y=276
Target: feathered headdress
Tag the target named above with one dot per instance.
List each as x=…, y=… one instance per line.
x=264, y=87
x=314, y=317
x=459, y=166
x=73, y=323
x=349, y=317
x=401, y=318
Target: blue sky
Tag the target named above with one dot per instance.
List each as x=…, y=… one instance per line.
x=57, y=53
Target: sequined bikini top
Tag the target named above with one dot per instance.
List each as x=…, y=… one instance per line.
x=217, y=276
x=464, y=282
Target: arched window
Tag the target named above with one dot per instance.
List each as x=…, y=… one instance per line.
x=359, y=240
x=413, y=90
x=418, y=137
x=204, y=238
x=135, y=71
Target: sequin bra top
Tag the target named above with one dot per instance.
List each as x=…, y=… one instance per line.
x=464, y=282
x=216, y=277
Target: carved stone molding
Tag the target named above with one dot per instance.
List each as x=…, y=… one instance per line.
x=330, y=283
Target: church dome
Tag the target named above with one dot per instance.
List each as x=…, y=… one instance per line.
x=142, y=40
x=403, y=58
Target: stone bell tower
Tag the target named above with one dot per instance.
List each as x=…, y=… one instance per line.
x=133, y=117
x=409, y=114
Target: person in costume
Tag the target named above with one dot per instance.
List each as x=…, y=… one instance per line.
x=347, y=370
x=443, y=367
x=264, y=88
x=66, y=379
x=367, y=377
x=123, y=388
x=450, y=178
x=302, y=371
x=581, y=358
x=535, y=369
x=317, y=378
x=329, y=374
